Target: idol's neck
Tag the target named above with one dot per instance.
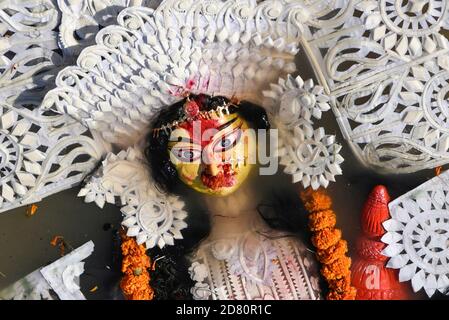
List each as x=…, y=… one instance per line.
x=234, y=214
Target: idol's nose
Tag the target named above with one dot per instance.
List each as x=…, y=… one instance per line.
x=210, y=163
x=212, y=169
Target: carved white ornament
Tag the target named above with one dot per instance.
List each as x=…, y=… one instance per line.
x=418, y=236
x=152, y=217
x=309, y=155
x=146, y=62
x=61, y=276
x=37, y=39
x=383, y=63
x=143, y=64
x=82, y=19
x=28, y=49
x=134, y=70
x=40, y=154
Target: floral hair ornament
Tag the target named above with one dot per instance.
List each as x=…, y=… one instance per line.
x=192, y=112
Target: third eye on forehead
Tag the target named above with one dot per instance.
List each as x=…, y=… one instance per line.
x=180, y=135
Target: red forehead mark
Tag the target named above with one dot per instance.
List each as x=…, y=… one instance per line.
x=202, y=125
x=191, y=110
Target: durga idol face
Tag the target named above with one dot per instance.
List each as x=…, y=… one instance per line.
x=212, y=153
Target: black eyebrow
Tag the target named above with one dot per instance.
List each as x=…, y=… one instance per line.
x=227, y=124
x=223, y=126
x=184, y=139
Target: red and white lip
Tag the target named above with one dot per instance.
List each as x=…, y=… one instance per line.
x=225, y=178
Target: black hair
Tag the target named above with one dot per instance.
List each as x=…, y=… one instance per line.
x=171, y=279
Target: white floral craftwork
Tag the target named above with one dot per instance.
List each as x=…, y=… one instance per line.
x=309, y=155
x=82, y=19
x=418, y=236
x=406, y=28
x=151, y=57
x=152, y=217
x=40, y=154
x=385, y=65
x=146, y=63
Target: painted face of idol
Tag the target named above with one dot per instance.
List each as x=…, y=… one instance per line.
x=213, y=156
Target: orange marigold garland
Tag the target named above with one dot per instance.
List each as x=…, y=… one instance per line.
x=135, y=283
x=331, y=249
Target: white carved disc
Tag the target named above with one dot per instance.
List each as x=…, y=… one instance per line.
x=418, y=236
x=380, y=62
x=152, y=217
x=415, y=17
x=308, y=154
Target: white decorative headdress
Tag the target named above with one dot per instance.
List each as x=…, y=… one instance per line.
x=389, y=102
x=138, y=66
x=221, y=48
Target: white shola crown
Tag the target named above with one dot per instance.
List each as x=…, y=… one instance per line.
x=136, y=68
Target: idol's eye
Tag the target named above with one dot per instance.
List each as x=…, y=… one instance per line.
x=228, y=141
x=186, y=154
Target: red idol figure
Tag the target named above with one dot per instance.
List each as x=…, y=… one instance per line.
x=371, y=277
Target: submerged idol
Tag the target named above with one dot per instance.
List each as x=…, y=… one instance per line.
x=210, y=144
